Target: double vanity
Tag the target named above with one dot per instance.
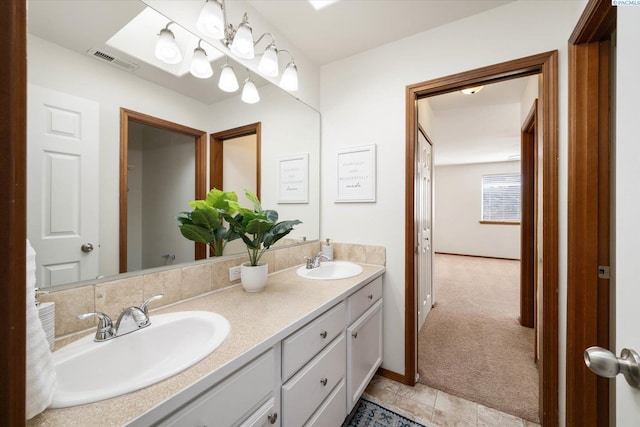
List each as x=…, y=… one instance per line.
x=298, y=353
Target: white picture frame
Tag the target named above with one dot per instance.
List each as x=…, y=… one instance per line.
x=293, y=179
x=357, y=174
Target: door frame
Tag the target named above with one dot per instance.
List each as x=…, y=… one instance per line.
x=545, y=64
x=200, y=139
x=13, y=205
x=216, y=152
x=588, y=240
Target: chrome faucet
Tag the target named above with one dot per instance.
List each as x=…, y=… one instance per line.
x=314, y=262
x=130, y=320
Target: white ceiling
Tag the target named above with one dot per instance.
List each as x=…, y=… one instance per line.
x=347, y=27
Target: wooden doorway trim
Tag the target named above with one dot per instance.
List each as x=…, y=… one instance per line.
x=528, y=150
x=13, y=228
x=588, y=244
x=545, y=64
x=216, y=152
x=200, y=138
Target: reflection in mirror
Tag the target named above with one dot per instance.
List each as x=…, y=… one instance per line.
x=70, y=58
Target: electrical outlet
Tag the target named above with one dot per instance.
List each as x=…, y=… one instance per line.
x=234, y=273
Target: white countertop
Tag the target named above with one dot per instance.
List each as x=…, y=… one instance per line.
x=258, y=321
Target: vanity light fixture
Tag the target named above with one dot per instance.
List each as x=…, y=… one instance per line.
x=268, y=64
x=200, y=65
x=472, y=90
x=289, y=80
x=249, y=91
x=167, y=49
x=242, y=44
x=211, y=20
x=228, y=81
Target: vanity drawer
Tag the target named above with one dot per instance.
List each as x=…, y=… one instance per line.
x=301, y=346
x=231, y=401
x=363, y=299
x=332, y=412
x=306, y=391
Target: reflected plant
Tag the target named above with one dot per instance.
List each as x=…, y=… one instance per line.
x=205, y=223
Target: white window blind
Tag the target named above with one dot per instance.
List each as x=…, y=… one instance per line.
x=501, y=197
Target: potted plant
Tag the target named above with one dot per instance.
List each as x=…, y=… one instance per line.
x=259, y=229
x=204, y=224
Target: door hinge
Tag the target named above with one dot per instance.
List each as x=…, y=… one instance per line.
x=604, y=272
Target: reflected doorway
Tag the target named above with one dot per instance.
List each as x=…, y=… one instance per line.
x=158, y=162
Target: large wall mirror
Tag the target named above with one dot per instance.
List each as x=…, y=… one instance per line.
x=88, y=60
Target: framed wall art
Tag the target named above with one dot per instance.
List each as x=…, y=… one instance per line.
x=357, y=174
x=293, y=179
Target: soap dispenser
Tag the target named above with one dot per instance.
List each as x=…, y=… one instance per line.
x=327, y=250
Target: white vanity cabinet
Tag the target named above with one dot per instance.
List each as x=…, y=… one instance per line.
x=364, y=339
x=247, y=398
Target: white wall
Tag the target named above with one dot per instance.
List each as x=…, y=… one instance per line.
x=529, y=95
x=363, y=102
x=458, y=206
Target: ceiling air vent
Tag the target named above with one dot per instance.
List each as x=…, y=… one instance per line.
x=126, y=65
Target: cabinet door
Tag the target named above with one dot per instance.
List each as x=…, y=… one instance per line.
x=364, y=352
x=266, y=416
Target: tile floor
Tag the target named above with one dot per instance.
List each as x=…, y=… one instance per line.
x=433, y=407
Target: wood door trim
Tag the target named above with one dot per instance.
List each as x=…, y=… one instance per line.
x=527, y=230
x=216, y=152
x=200, y=138
x=13, y=227
x=588, y=298
x=547, y=65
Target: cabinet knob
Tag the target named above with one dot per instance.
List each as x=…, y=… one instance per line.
x=370, y=296
x=354, y=335
x=323, y=334
x=323, y=382
x=272, y=418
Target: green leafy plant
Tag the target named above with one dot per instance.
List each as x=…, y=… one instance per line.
x=205, y=223
x=259, y=229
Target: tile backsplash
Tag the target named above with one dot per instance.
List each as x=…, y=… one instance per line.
x=183, y=282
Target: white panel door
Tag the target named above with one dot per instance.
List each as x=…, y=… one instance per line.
x=62, y=191
x=627, y=209
x=423, y=215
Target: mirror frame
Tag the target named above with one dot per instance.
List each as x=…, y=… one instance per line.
x=200, y=137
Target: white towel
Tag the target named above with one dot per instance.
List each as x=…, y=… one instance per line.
x=41, y=375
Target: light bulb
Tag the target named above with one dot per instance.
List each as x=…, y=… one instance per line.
x=242, y=44
x=250, y=93
x=228, y=81
x=268, y=65
x=167, y=49
x=200, y=66
x=211, y=21
x=289, y=79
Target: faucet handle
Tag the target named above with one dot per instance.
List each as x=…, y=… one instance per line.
x=105, y=329
x=145, y=305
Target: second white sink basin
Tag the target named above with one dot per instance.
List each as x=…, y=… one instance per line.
x=330, y=270
x=89, y=371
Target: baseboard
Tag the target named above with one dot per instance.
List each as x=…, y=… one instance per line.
x=478, y=256
x=394, y=376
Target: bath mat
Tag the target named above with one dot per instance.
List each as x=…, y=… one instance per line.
x=369, y=414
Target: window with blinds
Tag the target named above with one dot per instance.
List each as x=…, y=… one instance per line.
x=501, y=197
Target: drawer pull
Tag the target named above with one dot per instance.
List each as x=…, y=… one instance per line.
x=354, y=335
x=323, y=382
x=272, y=418
x=370, y=296
x=323, y=334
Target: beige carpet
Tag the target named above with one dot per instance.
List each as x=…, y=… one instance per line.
x=471, y=344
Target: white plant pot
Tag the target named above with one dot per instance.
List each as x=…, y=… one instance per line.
x=253, y=278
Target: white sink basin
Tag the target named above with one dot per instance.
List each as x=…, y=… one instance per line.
x=89, y=371
x=330, y=270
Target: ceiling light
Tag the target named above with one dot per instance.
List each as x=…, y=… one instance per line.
x=211, y=20
x=242, y=44
x=269, y=62
x=472, y=90
x=200, y=65
x=228, y=81
x=289, y=79
x=250, y=92
x=167, y=49
x=321, y=4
